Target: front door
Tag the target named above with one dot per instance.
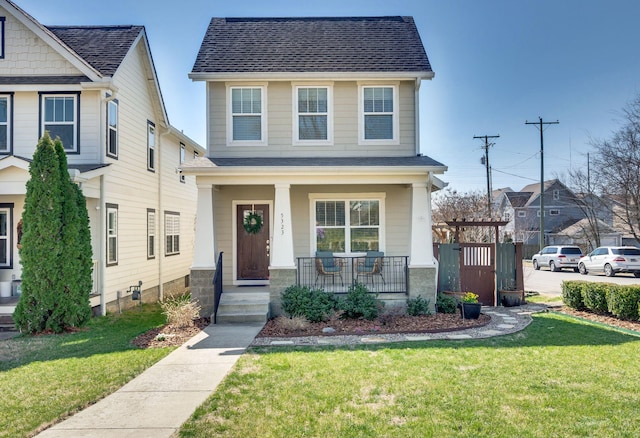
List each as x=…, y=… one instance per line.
x=253, y=241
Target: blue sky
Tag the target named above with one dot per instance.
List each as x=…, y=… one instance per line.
x=497, y=63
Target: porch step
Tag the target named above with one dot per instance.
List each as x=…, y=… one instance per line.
x=242, y=307
x=6, y=322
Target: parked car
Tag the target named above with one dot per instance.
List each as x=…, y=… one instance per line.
x=611, y=260
x=557, y=258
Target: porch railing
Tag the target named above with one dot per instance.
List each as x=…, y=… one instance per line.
x=387, y=274
x=217, y=287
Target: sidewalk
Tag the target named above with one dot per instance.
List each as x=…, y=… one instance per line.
x=158, y=401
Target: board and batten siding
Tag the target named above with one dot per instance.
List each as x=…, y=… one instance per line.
x=280, y=132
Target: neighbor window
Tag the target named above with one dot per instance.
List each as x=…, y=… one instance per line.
x=151, y=233
x=172, y=233
x=2, y=20
x=5, y=235
x=112, y=128
x=379, y=114
x=112, y=234
x=313, y=118
x=247, y=115
x=182, y=159
x=60, y=117
x=554, y=212
x=348, y=225
x=522, y=213
x=556, y=195
x=5, y=123
x=151, y=146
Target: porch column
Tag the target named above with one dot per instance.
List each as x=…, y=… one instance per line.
x=204, y=251
x=282, y=241
x=421, y=239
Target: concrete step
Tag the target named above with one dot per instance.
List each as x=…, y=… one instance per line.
x=243, y=307
x=6, y=322
x=241, y=317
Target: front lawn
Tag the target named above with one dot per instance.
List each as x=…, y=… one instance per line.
x=559, y=377
x=45, y=378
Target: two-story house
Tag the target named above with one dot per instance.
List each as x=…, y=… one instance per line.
x=96, y=88
x=313, y=145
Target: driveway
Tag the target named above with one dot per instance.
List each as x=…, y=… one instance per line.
x=550, y=283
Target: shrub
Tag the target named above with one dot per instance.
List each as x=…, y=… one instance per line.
x=594, y=296
x=295, y=323
x=313, y=304
x=623, y=301
x=418, y=306
x=446, y=304
x=360, y=303
x=572, y=294
x=181, y=311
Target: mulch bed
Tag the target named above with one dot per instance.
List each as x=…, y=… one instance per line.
x=604, y=319
x=170, y=336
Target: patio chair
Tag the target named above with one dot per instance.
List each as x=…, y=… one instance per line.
x=371, y=266
x=328, y=266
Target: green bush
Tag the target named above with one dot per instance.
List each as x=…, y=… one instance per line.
x=623, y=301
x=418, y=306
x=594, y=296
x=572, y=294
x=360, y=303
x=313, y=304
x=446, y=304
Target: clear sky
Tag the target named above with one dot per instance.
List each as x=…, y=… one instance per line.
x=497, y=64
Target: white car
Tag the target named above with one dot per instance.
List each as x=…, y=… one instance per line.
x=611, y=260
x=557, y=258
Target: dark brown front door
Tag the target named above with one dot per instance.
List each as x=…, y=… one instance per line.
x=253, y=248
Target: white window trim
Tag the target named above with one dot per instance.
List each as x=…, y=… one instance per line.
x=151, y=233
x=110, y=128
x=263, y=116
x=396, y=123
x=295, y=132
x=76, y=115
x=183, y=154
x=111, y=208
x=9, y=254
x=522, y=213
x=151, y=165
x=8, y=123
x=346, y=197
x=169, y=218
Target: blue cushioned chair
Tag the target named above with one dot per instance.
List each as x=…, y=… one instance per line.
x=328, y=266
x=371, y=265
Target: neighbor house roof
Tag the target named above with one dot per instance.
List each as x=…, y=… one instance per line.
x=518, y=199
x=305, y=44
x=103, y=47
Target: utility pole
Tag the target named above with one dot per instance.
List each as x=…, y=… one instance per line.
x=541, y=124
x=486, y=163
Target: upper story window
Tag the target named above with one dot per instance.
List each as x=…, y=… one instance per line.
x=60, y=114
x=151, y=146
x=246, y=121
x=379, y=114
x=556, y=195
x=5, y=123
x=182, y=159
x=313, y=115
x=112, y=128
x=554, y=212
x=522, y=213
x=2, y=20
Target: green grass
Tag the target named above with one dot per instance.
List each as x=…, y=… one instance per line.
x=46, y=378
x=559, y=377
x=538, y=298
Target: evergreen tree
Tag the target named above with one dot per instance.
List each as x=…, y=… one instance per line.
x=56, y=264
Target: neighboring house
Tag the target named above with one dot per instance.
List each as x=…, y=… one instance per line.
x=562, y=208
x=313, y=125
x=580, y=234
x=96, y=88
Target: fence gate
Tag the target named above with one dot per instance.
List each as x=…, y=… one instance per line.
x=477, y=270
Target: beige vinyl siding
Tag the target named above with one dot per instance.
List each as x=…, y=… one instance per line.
x=280, y=128
x=26, y=54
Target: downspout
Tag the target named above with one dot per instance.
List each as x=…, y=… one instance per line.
x=417, y=115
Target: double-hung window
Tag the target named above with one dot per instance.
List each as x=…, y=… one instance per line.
x=247, y=115
x=313, y=118
x=5, y=123
x=151, y=146
x=379, y=114
x=172, y=232
x=112, y=234
x=60, y=114
x=348, y=225
x=183, y=153
x=2, y=21
x=151, y=233
x=5, y=235
x=112, y=128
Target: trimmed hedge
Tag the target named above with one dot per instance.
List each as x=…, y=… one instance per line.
x=623, y=302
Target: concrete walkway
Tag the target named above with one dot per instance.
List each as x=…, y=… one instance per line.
x=158, y=401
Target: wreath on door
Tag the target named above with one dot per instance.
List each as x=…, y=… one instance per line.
x=252, y=223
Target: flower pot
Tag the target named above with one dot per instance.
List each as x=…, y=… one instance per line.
x=470, y=310
x=511, y=298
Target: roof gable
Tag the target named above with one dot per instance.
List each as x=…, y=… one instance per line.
x=297, y=45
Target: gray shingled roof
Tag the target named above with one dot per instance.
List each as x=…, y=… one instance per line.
x=419, y=160
x=53, y=80
x=103, y=47
x=337, y=44
x=518, y=199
